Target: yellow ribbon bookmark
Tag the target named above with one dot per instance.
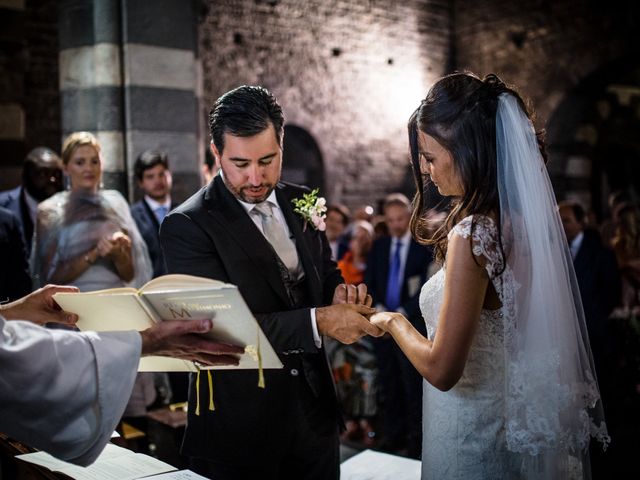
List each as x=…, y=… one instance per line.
x=198, y=393
x=257, y=357
x=251, y=350
x=212, y=407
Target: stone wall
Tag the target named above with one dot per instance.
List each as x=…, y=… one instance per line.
x=350, y=73
x=569, y=58
x=29, y=95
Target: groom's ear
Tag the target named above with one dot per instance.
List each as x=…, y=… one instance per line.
x=215, y=152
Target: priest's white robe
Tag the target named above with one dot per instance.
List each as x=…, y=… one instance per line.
x=62, y=391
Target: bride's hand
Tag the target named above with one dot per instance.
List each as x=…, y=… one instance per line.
x=384, y=320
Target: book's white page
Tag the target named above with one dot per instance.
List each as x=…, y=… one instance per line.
x=370, y=465
x=176, y=281
x=108, y=311
x=114, y=463
x=233, y=322
x=179, y=475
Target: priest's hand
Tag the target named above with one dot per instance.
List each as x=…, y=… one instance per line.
x=40, y=308
x=180, y=339
x=349, y=293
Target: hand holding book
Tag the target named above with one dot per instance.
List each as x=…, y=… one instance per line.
x=180, y=339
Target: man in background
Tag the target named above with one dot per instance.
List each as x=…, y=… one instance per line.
x=396, y=270
x=154, y=179
x=153, y=175
x=41, y=178
x=14, y=270
x=597, y=275
x=337, y=222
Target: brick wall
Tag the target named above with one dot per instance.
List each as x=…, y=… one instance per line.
x=29, y=95
x=348, y=72
x=565, y=56
x=545, y=48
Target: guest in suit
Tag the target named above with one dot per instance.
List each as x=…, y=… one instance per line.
x=597, y=275
x=242, y=229
x=396, y=270
x=14, y=274
x=154, y=179
x=600, y=290
x=337, y=222
x=41, y=178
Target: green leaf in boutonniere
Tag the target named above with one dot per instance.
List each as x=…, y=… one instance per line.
x=312, y=209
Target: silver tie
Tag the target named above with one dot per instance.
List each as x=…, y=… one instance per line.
x=277, y=237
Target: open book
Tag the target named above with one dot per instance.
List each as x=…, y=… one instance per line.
x=175, y=297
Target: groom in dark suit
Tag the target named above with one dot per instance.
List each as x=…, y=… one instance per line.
x=241, y=229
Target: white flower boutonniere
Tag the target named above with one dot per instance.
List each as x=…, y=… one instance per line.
x=312, y=208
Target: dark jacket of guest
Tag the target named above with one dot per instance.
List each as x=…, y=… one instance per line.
x=599, y=283
x=150, y=228
x=14, y=200
x=415, y=275
x=14, y=271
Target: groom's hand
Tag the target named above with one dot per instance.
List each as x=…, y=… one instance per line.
x=346, y=322
x=349, y=293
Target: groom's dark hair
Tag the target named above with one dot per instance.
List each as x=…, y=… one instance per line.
x=243, y=112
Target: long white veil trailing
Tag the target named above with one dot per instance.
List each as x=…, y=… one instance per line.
x=552, y=400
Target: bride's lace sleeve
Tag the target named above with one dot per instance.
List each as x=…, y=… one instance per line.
x=485, y=241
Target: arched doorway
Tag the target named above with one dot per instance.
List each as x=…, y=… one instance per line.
x=593, y=137
x=302, y=161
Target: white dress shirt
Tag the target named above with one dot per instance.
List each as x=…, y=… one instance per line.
x=154, y=205
x=576, y=243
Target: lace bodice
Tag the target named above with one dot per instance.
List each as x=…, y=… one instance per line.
x=464, y=434
x=485, y=244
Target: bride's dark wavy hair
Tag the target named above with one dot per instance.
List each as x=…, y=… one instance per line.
x=459, y=112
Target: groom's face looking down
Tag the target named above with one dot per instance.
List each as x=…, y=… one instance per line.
x=251, y=165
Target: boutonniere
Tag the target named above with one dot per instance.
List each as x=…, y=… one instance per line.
x=312, y=208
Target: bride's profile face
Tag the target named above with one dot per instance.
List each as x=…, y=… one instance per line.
x=437, y=163
x=84, y=168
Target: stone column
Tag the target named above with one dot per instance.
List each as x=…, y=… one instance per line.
x=130, y=74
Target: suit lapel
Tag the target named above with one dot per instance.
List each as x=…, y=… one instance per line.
x=386, y=260
x=233, y=219
x=151, y=215
x=295, y=225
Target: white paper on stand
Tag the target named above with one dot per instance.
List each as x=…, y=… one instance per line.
x=371, y=465
x=114, y=463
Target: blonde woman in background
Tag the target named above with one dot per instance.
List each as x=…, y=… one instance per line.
x=85, y=236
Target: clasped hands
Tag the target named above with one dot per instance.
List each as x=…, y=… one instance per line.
x=115, y=246
x=346, y=318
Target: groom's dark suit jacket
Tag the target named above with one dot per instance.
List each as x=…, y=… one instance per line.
x=211, y=235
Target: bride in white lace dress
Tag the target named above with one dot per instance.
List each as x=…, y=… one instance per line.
x=510, y=390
